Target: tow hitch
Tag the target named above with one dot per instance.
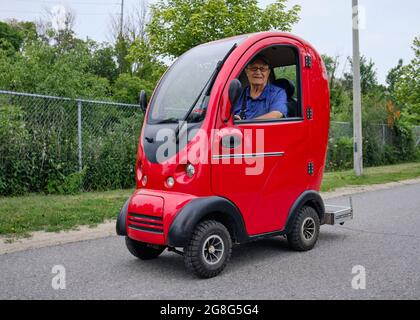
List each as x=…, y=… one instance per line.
x=338, y=214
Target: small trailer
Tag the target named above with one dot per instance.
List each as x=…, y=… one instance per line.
x=206, y=180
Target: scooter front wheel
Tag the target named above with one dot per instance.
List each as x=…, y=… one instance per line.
x=143, y=251
x=208, y=250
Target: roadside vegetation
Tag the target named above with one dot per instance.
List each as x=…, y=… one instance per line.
x=19, y=216
x=373, y=175
x=37, y=58
x=41, y=187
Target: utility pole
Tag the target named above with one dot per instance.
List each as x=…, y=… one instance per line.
x=357, y=101
x=122, y=18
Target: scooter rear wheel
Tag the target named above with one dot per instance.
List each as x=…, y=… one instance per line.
x=305, y=230
x=208, y=250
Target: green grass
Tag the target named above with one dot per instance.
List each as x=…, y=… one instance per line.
x=376, y=175
x=21, y=215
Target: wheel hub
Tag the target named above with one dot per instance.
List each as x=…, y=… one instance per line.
x=213, y=249
x=308, y=229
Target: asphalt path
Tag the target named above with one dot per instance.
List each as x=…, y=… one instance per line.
x=383, y=239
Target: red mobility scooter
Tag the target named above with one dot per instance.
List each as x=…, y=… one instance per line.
x=206, y=181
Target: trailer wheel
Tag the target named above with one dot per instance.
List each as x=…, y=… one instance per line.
x=143, y=250
x=208, y=250
x=305, y=230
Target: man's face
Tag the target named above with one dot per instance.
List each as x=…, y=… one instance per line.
x=258, y=73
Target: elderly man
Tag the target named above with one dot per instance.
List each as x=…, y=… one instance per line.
x=260, y=100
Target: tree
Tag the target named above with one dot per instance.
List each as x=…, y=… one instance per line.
x=139, y=67
x=144, y=63
x=123, y=37
x=368, y=77
x=121, y=50
x=340, y=99
x=55, y=62
x=102, y=61
x=127, y=88
x=27, y=29
x=178, y=25
x=393, y=75
x=10, y=37
x=45, y=69
x=407, y=88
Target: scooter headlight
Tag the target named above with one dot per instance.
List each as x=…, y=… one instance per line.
x=190, y=170
x=170, y=182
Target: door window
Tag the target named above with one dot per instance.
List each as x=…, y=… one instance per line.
x=282, y=90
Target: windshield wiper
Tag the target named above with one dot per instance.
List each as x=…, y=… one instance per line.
x=209, y=85
x=168, y=120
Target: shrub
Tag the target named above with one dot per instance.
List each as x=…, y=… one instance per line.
x=61, y=184
x=404, y=142
x=340, y=153
x=15, y=175
x=112, y=157
x=372, y=152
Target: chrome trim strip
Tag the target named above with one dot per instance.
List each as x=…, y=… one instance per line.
x=248, y=155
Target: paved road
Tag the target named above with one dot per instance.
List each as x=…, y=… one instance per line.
x=384, y=238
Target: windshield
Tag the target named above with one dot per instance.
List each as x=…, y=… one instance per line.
x=184, y=81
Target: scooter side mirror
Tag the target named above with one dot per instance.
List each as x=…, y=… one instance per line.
x=143, y=100
x=235, y=90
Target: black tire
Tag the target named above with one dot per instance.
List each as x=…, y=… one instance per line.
x=208, y=250
x=303, y=238
x=143, y=250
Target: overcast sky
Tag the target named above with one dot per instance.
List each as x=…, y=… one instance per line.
x=389, y=26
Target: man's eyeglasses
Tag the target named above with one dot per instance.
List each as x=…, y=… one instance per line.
x=255, y=69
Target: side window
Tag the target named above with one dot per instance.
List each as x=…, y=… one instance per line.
x=289, y=73
x=284, y=73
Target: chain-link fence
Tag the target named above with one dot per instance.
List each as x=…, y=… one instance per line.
x=382, y=133
x=59, y=144
x=382, y=145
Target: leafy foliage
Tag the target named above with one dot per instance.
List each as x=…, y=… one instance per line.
x=368, y=77
x=178, y=25
x=56, y=62
x=387, y=138
x=111, y=162
x=10, y=38
x=407, y=88
x=127, y=88
x=15, y=176
x=62, y=184
x=46, y=69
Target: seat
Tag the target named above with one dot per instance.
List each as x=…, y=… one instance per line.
x=292, y=105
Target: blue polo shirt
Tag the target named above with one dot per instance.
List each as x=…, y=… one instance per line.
x=273, y=98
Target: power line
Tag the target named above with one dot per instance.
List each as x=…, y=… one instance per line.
x=77, y=13
x=78, y=3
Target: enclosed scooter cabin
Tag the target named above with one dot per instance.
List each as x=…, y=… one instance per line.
x=207, y=178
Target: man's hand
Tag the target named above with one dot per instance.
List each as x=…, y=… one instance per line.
x=271, y=116
x=237, y=117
